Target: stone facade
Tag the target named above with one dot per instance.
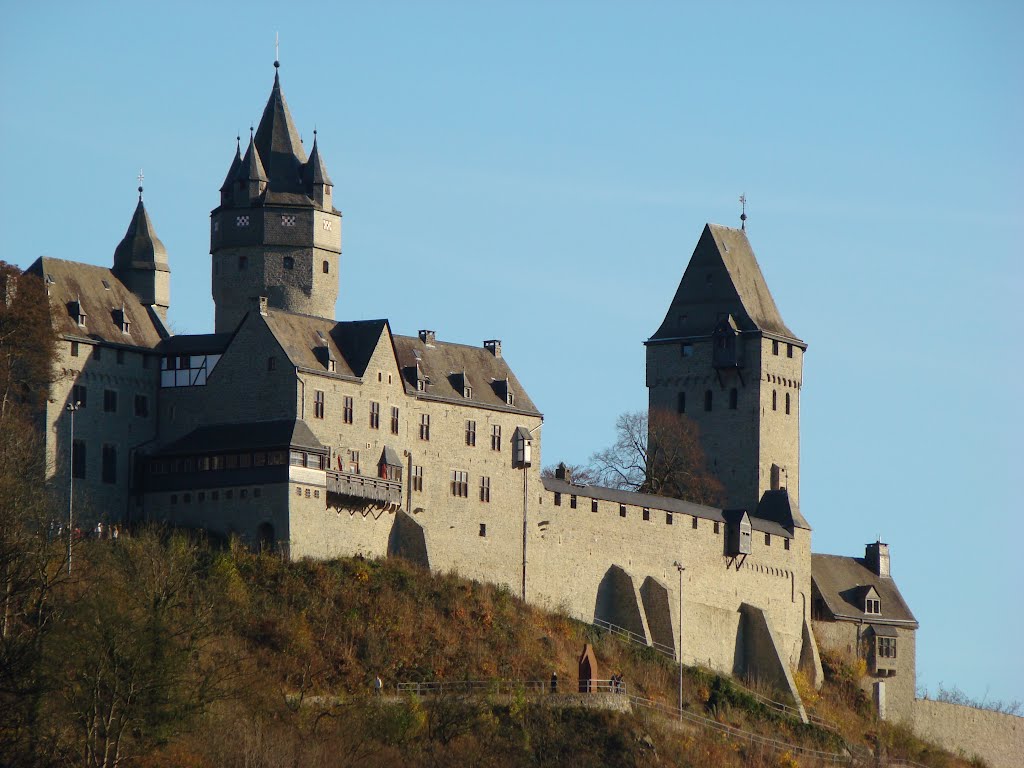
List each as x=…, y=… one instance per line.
x=996, y=738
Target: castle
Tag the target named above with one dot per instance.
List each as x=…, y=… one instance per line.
x=320, y=438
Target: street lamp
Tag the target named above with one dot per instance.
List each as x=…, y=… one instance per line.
x=71, y=408
x=679, y=650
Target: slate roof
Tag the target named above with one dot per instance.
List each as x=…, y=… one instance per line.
x=351, y=344
x=140, y=247
x=196, y=344
x=315, y=171
x=841, y=582
x=236, y=162
x=251, y=168
x=438, y=360
x=664, y=503
x=736, y=286
x=249, y=435
x=777, y=506
x=70, y=281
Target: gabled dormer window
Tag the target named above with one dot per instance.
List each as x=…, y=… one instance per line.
x=121, y=320
x=467, y=392
x=872, y=605
x=77, y=312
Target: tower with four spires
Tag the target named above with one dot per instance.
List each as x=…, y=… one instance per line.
x=276, y=233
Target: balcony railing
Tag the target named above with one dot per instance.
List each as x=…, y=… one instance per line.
x=369, y=490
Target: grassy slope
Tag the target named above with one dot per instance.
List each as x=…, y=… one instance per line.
x=293, y=631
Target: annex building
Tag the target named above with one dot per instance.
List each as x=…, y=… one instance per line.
x=317, y=437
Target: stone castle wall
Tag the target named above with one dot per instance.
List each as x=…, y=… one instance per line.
x=995, y=737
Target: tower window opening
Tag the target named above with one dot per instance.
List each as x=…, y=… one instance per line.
x=789, y=350
x=327, y=267
x=289, y=262
x=647, y=513
x=734, y=397
x=707, y=400
x=775, y=400
x=787, y=403
x=775, y=348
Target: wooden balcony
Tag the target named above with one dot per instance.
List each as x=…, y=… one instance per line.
x=364, y=490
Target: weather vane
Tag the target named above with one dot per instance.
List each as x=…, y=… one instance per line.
x=277, y=49
x=140, y=177
x=743, y=212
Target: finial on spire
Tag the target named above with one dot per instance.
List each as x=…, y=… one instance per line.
x=743, y=212
x=277, y=50
x=251, y=132
x=140, y=177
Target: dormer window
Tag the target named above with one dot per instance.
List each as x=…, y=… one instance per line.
x=326, y=358
x=77, y=312
x=121, y=320
x=872, y=605
x=467, y=392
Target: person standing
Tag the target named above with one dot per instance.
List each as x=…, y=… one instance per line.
x=378, y=686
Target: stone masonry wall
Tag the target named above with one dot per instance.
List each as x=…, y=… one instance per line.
x=136, y=374
x=995, y=737
x=848, y=638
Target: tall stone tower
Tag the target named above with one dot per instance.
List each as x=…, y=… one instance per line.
x=276, y=232
x=725, y=358
x=140, y=262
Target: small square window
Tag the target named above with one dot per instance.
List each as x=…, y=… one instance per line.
x=687, y=350
x=289, y=262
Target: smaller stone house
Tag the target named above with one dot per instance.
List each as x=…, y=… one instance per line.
x=857, y=609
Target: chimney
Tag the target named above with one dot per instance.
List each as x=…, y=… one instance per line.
x=562, y=472
x=493, y=346
x=260, y=303
x=427, y=337
x=876, y=557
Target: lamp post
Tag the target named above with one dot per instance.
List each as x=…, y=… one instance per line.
x=679, y=651
x=522, y=456
x=71, y=408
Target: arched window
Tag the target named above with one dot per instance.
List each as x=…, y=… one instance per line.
x=775, y=400
x=707, y=400
x=327, y=267
x=734, y=398
x=787, y=403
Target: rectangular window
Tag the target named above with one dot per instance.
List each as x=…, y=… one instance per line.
x=707, y=400
x=775, y=347
x=485, y=489
x=767, y=539
x=572, y=501
x=471, y=433
x=622, y=510
x=353, y=462
x=109, y=474
x=717, y=529
x=558, y=499
x=460, y=484
x=593, y=505
x=787, y=403
x=259, y=459
x=141, y=406
x=74, y=349
x=483, y=529
x=647, y=513
x=374, y=415
x=346, y=410
x=394, y=420
x=425, y=426
x=668, y=518
x=695, y=523
x=417, y=478
x=110, y=400
x=78, y=459
x=79, y=394
x=789, y=350
x=496, y=437
x=686, y=350
x=318, y=404
x=681, y=404
x=271, y=363
x=872, y=606
x=298, y=459
x=231, y=461
x=785, y=544
x=120, y=357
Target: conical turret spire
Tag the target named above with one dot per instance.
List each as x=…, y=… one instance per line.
x=279, y=144
x=315, y=171
x=251, y=167
x=140, y=246
x=235, y=163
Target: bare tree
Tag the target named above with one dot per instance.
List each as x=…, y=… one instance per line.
x=580, y=473
x=661, y=455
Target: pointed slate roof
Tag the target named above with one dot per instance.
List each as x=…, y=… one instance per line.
x=722, y=278
x=233, y=170
x=315, y=171
x=251, y=167
x=279, y=144
x=141, y=248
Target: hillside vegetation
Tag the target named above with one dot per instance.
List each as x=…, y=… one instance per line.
x=160, y=651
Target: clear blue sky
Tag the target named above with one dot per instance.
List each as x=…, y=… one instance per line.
x=540, y=172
